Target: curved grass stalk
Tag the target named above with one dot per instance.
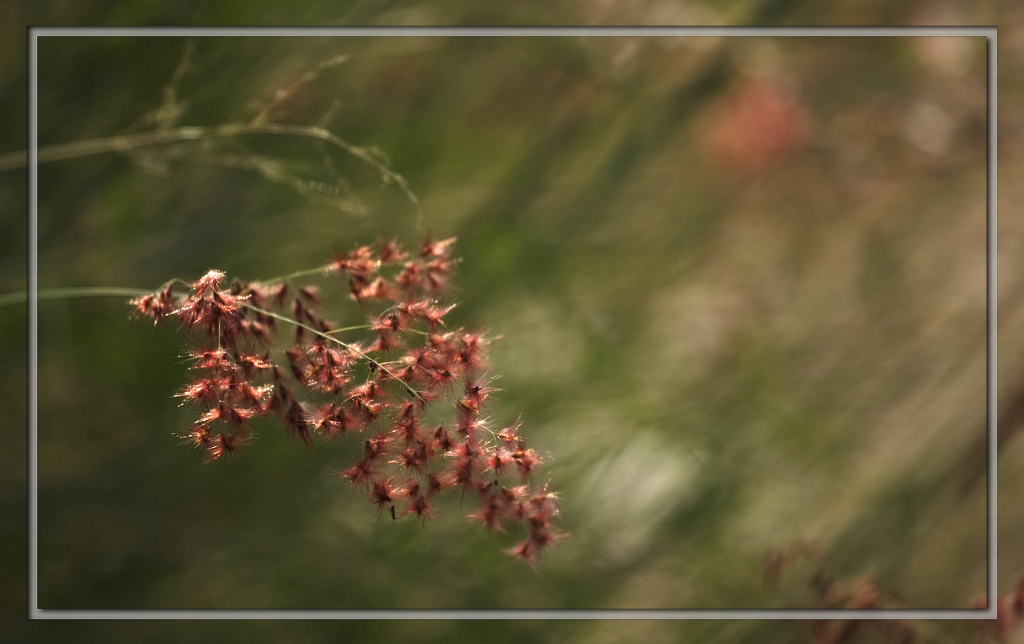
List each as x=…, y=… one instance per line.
x=19, y=297
x=135, y=141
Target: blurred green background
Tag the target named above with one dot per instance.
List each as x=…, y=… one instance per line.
x=739, y=284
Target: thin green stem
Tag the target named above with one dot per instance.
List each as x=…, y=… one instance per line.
x=65, y=293
x=21, y=297
x=320, y=270
x=11, y=299
x=358, y=327
x=352, y=348
x=137, y=140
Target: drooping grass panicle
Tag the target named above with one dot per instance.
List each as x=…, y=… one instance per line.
x=415, y=389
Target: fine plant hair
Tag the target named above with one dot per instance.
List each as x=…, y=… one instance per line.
x=415, y=392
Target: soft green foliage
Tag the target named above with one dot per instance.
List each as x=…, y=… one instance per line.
x=720, y=358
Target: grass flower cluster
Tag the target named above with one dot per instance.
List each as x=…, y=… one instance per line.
x=414, y=391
